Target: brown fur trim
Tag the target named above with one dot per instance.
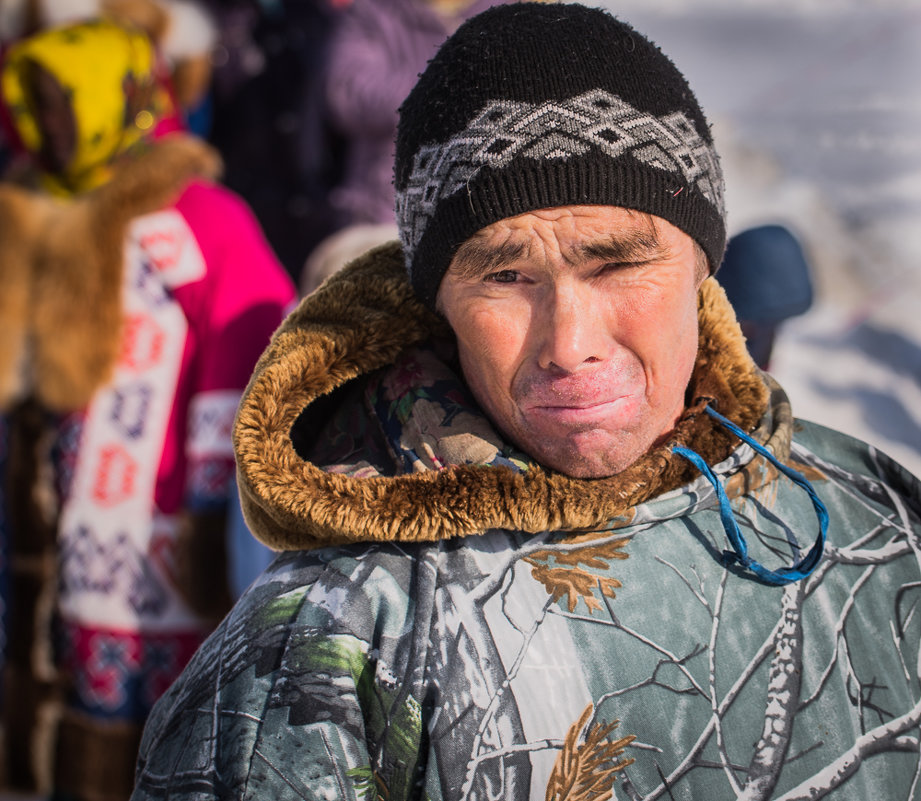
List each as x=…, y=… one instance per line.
x=69, y=256
x=22, y=217
x=360, y=320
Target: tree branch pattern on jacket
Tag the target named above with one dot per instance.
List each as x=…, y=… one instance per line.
x=456, y=670
x=495, y=665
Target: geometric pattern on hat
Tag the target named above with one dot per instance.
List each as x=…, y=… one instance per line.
x=505, y=130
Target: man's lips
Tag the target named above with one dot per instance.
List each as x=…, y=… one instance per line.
x=580, y=412
x=579, y=400
x=581, y=403
x=572, y=395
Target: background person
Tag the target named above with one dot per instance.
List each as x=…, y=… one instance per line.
x=767, y=280
x=270, y=123
x=137, y=296
x=182, y=30
x=376, y=52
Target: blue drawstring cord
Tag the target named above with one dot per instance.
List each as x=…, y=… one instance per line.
x=784, y=575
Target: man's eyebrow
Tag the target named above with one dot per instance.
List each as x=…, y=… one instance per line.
x=633, y=247
x=474, y=259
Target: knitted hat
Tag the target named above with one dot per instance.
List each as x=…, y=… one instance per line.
x=531, y=105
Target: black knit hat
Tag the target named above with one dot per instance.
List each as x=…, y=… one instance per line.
x=533, y=105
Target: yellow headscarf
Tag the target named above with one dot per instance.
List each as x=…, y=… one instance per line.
x=109, y=74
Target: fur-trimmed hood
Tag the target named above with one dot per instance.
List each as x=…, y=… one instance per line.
x=359, y=322
x=61, y=263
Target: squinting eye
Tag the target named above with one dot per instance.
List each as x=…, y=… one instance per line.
x=503, y=277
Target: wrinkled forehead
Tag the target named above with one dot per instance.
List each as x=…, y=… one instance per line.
x=571, y=233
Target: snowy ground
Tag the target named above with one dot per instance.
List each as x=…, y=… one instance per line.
x=816, y=109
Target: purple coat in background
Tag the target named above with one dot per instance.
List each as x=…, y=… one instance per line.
x=378, y=50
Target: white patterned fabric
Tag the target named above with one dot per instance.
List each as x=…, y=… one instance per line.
x=115, y=565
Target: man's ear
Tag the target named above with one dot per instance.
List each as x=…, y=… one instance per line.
x=439, y=297
x=702, y=269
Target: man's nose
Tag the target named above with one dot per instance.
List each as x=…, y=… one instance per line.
x=572, y=329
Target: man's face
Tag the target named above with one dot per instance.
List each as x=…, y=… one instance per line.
x=577, y=331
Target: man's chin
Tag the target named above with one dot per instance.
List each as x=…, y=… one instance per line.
x=590, y=454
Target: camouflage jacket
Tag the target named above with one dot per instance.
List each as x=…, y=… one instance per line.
x=448, y=620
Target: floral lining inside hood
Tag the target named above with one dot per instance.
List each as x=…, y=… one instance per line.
x=404, y=454
x=430, y=418
x=421, y=417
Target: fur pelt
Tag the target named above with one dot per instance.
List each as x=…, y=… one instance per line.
x=61, y=267
x=358, y=321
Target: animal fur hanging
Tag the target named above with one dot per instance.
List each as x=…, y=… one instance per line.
x=61, y=269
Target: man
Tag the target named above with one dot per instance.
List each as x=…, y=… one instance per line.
x=504, y=486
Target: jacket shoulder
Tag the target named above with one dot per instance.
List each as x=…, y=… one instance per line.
x=852, y=457
x=292, y=663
